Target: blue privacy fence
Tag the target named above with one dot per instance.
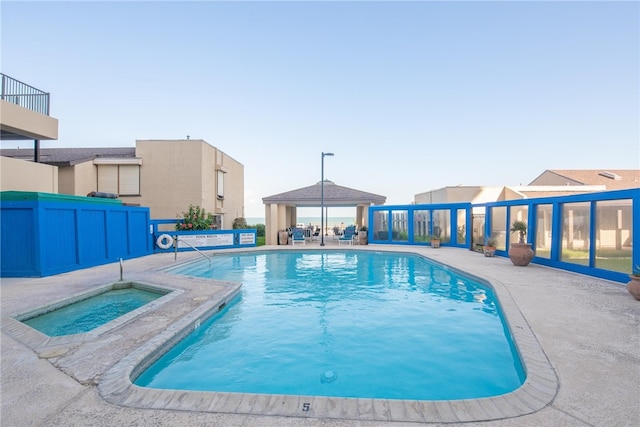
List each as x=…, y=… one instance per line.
x=45, y=234
x=589, y=233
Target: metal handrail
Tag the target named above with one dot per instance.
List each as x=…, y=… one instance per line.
x=24, y=95
x=191, y=246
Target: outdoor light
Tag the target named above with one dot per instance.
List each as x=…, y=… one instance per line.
x=322, y=198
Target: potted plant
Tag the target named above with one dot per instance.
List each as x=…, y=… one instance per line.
x=435, y=241
x=283, y=237
x=489, y=247
x=362, y=235
x=634, y=284
x=520, y=253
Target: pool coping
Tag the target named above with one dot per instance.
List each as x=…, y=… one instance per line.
x=537, y=392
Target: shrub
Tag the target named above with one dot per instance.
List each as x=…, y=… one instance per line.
x=196, y=218
x=239, y=223
x=260, y=229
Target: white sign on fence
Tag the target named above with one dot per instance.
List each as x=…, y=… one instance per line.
x=200, y=240
x=247, y=238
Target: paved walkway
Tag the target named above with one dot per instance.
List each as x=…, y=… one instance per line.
x=579, y=337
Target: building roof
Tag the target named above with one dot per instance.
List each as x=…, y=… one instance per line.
x=334, y=195
x=69, y=156
x=612, y=179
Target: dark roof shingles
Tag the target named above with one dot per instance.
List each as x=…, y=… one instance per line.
x=68, y=156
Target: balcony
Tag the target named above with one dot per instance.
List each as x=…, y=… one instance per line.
x=24, y=112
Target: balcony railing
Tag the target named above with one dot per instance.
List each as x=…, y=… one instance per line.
x=26, y=96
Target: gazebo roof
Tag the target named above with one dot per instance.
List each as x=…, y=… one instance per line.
x=334, y=195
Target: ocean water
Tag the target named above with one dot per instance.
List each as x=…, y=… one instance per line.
x=338, y=221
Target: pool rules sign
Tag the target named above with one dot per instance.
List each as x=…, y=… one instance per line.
x=213, y=240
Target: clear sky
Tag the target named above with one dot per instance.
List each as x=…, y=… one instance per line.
x=410, y=96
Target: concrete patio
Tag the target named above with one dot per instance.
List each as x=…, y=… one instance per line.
x=586, y=330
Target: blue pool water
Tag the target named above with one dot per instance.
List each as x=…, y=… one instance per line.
x=88, y=314
x=348, y=324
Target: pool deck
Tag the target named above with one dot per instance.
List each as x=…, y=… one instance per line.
x=579, y=338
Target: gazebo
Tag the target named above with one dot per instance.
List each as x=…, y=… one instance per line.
x=280, y=209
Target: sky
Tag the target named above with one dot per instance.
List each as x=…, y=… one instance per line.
x=409, y=96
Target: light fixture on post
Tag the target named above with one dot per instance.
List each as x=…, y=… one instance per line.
x=322, y=198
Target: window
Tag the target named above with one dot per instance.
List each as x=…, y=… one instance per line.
x=421, y=220
x=220, y=185
x=614, y=231
x=441, y=226
x=399, y=231
x=544, y=218
x=129, y=180
x=461, y=215
x=108, y=178
x=499, y=226
x=576, y=222
x=123, y=180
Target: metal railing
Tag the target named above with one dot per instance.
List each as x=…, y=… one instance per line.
x=175, y=245
x=19, y=93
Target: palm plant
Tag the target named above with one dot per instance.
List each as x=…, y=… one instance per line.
x=519, y=227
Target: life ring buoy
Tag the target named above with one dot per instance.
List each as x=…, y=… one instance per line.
x=164, y=241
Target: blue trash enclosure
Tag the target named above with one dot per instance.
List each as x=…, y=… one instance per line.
x=44, y=234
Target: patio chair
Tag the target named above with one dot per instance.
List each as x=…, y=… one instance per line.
x=348, y=236
x=336, y=233
x=297, y=236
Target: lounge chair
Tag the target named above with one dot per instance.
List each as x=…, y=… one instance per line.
x=348, y=236
x=297, y=236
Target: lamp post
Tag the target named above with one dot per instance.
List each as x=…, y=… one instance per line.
x=322, y=198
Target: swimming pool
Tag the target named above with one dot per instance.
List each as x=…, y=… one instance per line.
x=86, y=312
x=348, y=324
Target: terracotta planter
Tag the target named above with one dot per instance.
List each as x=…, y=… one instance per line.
x=283, y=237
x=435, y=243
x=362, y=238
x=634, y=287
x=489, y=250
x=520, y=254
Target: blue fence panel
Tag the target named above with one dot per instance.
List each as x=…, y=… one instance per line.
x=92, y=236
x=18, y=252
x=45, y=234
x=117, y=234
x=140, y=242
x=58, y=246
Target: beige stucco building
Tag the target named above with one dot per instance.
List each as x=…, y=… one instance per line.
x=548, y=184
x=177, y=173
x=165, y=175
x=24, y=116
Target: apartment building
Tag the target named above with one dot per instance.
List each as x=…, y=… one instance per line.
x=165, y=175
